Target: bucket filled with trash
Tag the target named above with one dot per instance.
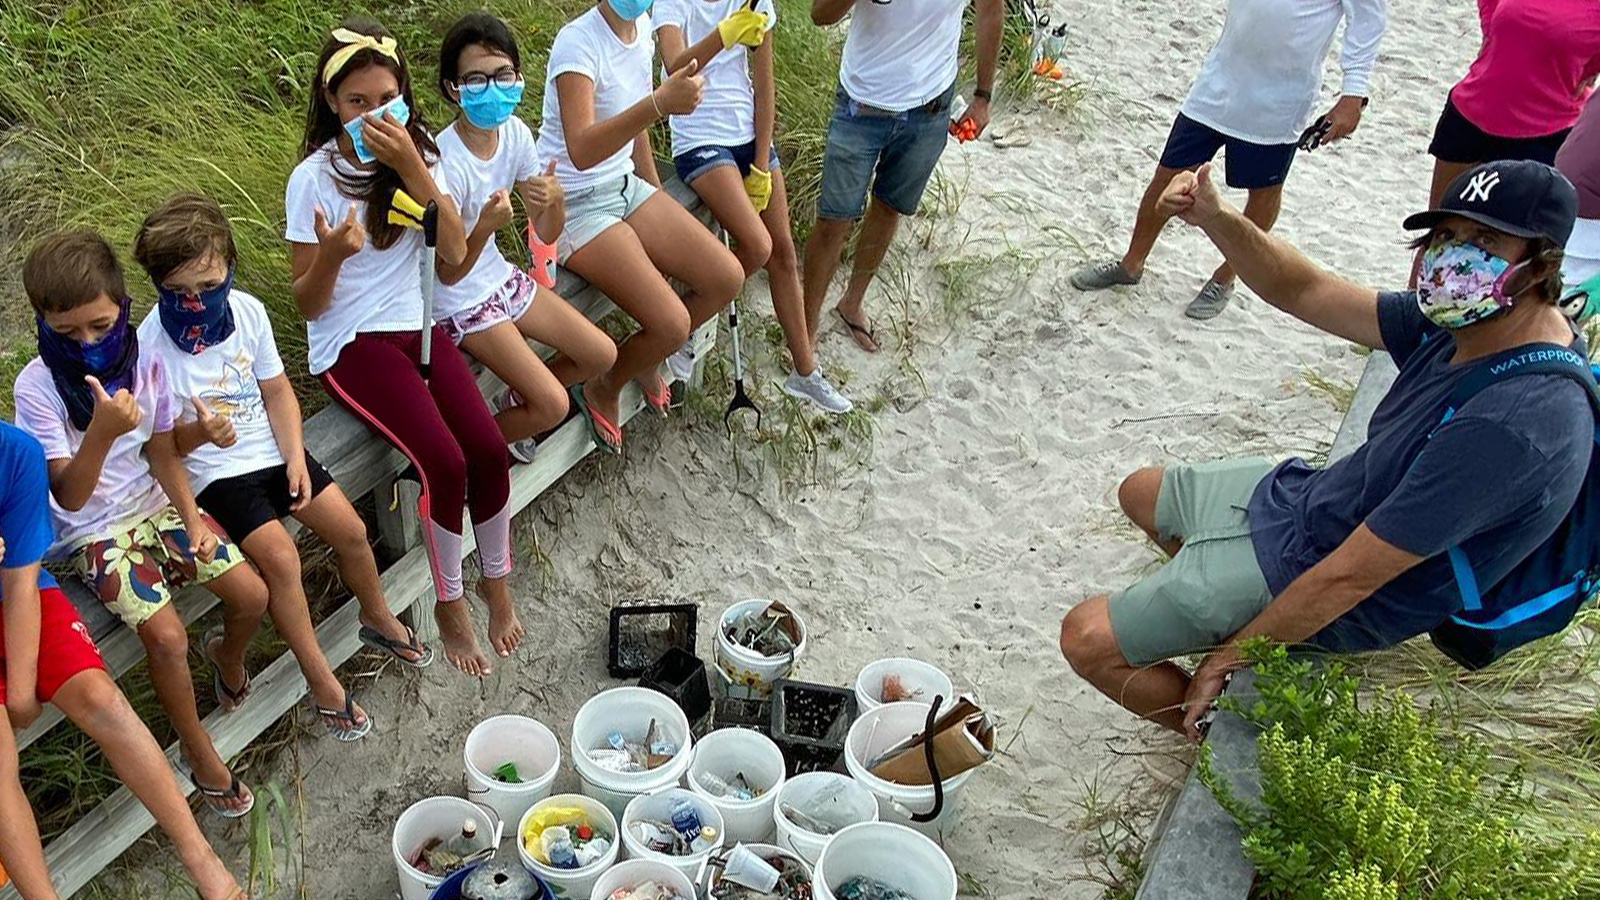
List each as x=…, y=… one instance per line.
x=568, y=840
x=883, y=861
x=511, y=761
x=492, y=880
x=437, y=837
x=643, y=879
x=897, y=680
x=758, y=642
x=629, y=741
x=675, y=827
x=811, y=808
x=888, y=752
x=740, y=772
x=757, y=872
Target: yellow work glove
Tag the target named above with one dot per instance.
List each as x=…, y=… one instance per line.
x=746, y=27
x=758, y=185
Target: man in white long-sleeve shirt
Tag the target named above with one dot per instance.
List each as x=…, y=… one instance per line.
x=1255, y=94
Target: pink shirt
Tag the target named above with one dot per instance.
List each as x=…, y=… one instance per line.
x=1537, y=65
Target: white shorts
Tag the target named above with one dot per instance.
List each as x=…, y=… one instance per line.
x=593, y=210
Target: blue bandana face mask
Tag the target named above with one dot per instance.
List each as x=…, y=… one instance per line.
x=197, y=321
x=402, y=114
x=491, y=107
x=630, y=9
x=1462, y=284
x=110, y=359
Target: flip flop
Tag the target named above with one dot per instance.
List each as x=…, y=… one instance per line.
x=859, y=332
x=382, y=643
x=657, y=392
x=607, y=436
x=342, y=724
x=228, y=698
x=234, y=791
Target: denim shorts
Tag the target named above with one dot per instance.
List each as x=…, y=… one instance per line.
x=891, y=153
x=592, y=210
x=1251, y=166
x=692, y=164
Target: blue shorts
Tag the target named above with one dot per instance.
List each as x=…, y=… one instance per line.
x=693, y=163
x=891, y=153
x=1250, y=166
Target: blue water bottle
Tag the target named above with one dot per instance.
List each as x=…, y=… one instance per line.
x=685, y=821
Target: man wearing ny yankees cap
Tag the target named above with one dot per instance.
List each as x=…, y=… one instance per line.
x=1354, y=556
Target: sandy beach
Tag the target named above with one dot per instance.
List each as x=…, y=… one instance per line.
x=986, y=505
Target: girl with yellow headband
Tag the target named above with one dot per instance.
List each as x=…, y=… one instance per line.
x=358, y=282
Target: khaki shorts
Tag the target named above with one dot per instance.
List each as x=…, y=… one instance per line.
x=1214, y=586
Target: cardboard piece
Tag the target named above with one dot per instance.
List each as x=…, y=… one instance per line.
x=963, y=739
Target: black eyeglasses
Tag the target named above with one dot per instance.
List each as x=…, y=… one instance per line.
x=477, y=82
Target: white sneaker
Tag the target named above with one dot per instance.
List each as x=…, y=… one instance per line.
x=521, y=451
x=681, y=364
x=816, y=390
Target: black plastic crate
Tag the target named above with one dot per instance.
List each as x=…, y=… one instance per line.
x=642, y=632
x=810, y=723
x=682, y=676
x=733, y=712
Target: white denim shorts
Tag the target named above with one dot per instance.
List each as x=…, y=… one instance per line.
x=593, y=210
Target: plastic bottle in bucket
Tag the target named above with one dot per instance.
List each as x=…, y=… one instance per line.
x=510, y=763
x=758, y=642
x=629, y=741
x=590, y=829
x=434, y=838
x=883, y=861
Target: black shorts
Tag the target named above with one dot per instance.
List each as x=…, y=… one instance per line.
x=1457, y=140
x=243, y=503
x=1250, y=166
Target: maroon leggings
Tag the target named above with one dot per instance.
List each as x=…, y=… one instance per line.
x=443, y=426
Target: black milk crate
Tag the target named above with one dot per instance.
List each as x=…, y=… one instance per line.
x=642, y=632
x=810, y=723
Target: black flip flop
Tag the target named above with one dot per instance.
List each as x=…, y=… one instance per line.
x=342, y=724
x=377, y=640
x=228, y=698
x=867, y=333
x=234, y=791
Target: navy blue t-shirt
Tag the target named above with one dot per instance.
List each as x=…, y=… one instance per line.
x=24, y=502
x=1498, y=480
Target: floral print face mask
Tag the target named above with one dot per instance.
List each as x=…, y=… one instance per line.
x=1462, y=284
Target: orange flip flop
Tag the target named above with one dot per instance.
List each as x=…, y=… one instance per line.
x=607, y=436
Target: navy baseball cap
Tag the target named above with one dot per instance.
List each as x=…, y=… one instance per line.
x=1520, y=197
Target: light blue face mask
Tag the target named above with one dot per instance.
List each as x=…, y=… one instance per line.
x=402, y=114
x=491, y=107
x=630, y=9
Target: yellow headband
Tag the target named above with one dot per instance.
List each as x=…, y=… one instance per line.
x=354, y=42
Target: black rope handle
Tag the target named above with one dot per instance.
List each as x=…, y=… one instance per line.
x=933, y=766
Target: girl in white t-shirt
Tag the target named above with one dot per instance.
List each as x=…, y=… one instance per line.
x=724, y=151
x=488, y=306
x=621, y=234
x=358, y=282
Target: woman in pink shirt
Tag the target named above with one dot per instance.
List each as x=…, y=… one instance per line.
x=1524, y=91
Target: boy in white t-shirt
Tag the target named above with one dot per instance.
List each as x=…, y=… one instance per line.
x=488, y=306
x=724, y=151
x=240, y=433
x=125, y=517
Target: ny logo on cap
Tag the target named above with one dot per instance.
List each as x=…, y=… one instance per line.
x=1479, y=186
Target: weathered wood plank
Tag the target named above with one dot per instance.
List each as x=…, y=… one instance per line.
x=1376, y=378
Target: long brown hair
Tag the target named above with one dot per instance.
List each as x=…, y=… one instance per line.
x=377, y=187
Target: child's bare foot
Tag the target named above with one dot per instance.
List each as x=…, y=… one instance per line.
x=212, y=879
x=505, y=629
x=460, y=644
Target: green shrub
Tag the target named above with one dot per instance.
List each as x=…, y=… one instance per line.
x=1371, y=798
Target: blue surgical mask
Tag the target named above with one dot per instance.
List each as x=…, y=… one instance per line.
x=491, y=107
x=402, y=114
x=630, y=9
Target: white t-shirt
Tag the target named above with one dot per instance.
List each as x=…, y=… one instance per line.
x=377, y=290
x=128, y=492
x=901, y=55
x=472, y=181
x=1260, y=82
x=727, y=113
x=227, y=378
x=621, y=76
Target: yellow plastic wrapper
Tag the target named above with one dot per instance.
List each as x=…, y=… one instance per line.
x=549, y=817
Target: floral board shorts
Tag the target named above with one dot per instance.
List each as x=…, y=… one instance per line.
x=135, y=573
x=507, y=304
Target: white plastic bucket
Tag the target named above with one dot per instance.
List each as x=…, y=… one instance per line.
x=433, y=817
x=922, y=680
x=726, y=754
x=629, y=875
x=628, y=710
x=767, y=852
x=571, y=884
x=893, y=854
x=657, y=807
x=881, y=729
x=745, y=673
x=852, y=800
x=528, y=744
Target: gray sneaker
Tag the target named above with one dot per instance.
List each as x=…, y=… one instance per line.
x=681, y=364
x=1210, y=302
x=816, y=390
x=521, y=451
x=1102, y=275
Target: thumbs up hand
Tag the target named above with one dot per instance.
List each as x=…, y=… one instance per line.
x=217, y=429
x=680, y=94
x=543, y=193
x=114, y=416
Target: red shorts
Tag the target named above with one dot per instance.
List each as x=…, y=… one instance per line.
x=65, y=647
